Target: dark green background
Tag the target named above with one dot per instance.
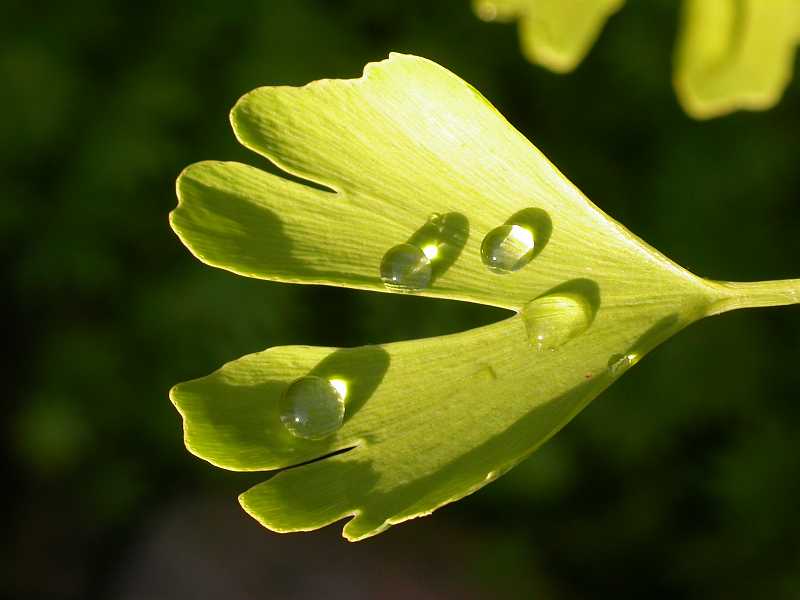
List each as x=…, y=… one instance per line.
x=681, y=481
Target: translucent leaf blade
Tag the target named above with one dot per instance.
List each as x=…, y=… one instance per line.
x=406, y=140
x=441, y=417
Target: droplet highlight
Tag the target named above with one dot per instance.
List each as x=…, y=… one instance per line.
x=313, y=407
x=427, y=254
x=508, y=248
x=551, y=321
x=407, y=268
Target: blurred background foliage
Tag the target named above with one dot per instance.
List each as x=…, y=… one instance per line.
x=681, y=481
x=729, y=55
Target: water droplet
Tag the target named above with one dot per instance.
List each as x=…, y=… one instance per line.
x=507, y=248
x=620, y=363
x=406, y=268
x=551, y=321
x=313, y=407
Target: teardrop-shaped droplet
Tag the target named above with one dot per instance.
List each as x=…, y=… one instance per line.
x=551, y=321
x=406, y=268
x=620, y=363
x=312, y=407
x=507, y=248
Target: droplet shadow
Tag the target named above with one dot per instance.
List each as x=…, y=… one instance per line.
x=449, y=233
x=441, y=239
x=361, y=369
x=561, y=313
x=585, y=290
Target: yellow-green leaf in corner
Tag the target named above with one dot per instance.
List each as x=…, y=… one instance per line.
x=735, y=54
x=556, y=34
x=421, y=187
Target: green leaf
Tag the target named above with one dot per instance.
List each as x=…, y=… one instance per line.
x=556, y=34
x=735, y=54
x=426, y=421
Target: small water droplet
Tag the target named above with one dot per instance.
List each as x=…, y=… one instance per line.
x=313, y=407
x=620, y=363
x=551, y=321
x=406, y=268
x=507, y=248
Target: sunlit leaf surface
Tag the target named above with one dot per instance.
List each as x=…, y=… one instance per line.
x=411, y=154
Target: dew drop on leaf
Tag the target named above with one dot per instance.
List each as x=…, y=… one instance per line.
x=620, y=363
x=313, y=407
x=551, y=321
x=507, y=248
x=406, y=268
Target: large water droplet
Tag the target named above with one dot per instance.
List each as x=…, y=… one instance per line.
x=551, y=321
x=620, y=363
x=313, y=407
x=507, y=248
x=407, y=268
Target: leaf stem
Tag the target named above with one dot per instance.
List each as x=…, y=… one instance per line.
x=754, y=294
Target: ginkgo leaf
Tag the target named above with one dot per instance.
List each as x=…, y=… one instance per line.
x=556, y=34
x=735, y=54
x=427, y=421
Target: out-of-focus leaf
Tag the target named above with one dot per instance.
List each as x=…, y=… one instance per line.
x=735, y=54
x=556, y=34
